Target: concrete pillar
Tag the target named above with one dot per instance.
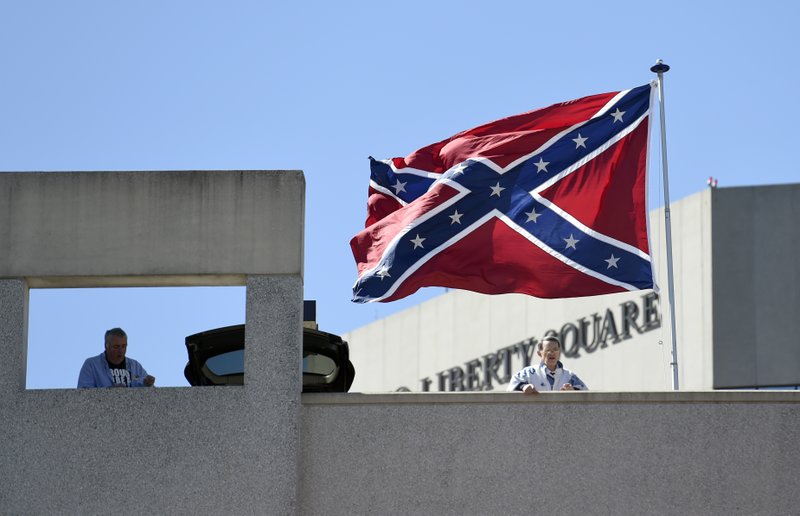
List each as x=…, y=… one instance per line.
x=273, y=372
x=13, y=337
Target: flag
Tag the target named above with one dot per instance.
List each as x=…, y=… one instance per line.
x=550, y=203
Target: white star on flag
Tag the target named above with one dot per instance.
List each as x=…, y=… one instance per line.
x=459, y=169
x=496, y=189
x=532, y=215
x=571, y=241
x=417, y=241
x=541, y=165
x=580, y=141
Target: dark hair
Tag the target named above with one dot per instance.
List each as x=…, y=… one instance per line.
x=114, y=332
x=548, y=338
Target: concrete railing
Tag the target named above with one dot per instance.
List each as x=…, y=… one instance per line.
x=554, y=453
x=230, y=450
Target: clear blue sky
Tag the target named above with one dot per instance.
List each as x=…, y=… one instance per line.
x=319, y=86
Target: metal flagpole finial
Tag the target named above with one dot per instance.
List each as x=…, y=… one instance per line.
x=659, y=67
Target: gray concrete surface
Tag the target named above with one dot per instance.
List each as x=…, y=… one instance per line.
x=756, y=285
x=556, y=453
x=211, y=450
x=67, y=229
x=159, y=451
x=13, y=337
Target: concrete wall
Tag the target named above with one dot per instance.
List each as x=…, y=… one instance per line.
x=165, y=450
x=160, y=451
x=556, y=453
x=757, y=286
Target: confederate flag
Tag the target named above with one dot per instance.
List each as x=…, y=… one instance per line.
x=550, y=203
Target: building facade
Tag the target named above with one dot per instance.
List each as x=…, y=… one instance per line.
x=737, y=293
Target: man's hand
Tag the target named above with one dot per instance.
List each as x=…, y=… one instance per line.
x=529, y=389
x=567, y=387
x=149, y=380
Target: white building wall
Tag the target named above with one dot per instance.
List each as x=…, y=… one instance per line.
x=458, y=327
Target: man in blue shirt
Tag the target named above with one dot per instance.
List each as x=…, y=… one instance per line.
x=549, y=374
x=112, y=368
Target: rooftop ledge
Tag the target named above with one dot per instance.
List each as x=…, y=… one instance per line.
x=396, y=398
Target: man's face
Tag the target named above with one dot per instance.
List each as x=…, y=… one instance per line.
x=115, y=349
x=550, y=353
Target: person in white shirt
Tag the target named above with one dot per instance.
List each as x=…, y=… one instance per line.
x=549, y=375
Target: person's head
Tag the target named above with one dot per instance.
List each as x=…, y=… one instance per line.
x=116, y=345
x=549, y=349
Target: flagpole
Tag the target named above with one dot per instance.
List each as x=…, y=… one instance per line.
x=661, y=68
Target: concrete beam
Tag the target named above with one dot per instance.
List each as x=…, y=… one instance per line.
x=79, y=229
